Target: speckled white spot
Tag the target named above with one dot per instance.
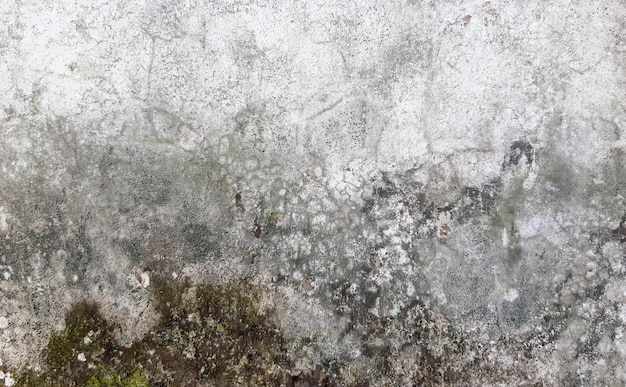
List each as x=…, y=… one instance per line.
x=529, y=182
x=3, y=220
x=145, y=280
x=511, y=295
x=8, y=380
x=410, y=289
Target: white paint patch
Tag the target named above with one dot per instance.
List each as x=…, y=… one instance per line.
x=3, y=220
x=4, y=322
x=81, y=357
x=145, y=280
x=8, y=380
x=410, y=290
x=529, y=182
x=511, y=295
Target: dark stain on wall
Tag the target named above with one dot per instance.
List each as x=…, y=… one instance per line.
x=518, y=150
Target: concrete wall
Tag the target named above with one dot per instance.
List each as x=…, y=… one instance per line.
x=416, y=185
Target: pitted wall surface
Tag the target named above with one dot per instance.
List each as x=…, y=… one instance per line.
x=416, y=192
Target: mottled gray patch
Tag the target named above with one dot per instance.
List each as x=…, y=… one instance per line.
x=151, y=189
x=515, y=312
x=200, y=240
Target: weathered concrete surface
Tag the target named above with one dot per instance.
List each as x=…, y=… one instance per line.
x=429, y=192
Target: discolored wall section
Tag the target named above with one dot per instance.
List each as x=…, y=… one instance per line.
x=399, y=192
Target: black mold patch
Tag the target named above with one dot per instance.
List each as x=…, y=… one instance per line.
x=383, y=192
x=595, y=292
x=552, y=325
x=603, y=325
x=368, y=206
x=385, y=188
x=518, y=150
x=477, y=200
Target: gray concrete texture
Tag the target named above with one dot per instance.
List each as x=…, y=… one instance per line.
x=414, y=183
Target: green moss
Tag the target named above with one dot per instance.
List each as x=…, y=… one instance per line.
x=207, y=334
x=103, y=381
x=87, y=333
x=135, y=380
x=115, y=380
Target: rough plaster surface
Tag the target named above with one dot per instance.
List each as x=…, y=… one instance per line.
x=371, y=163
